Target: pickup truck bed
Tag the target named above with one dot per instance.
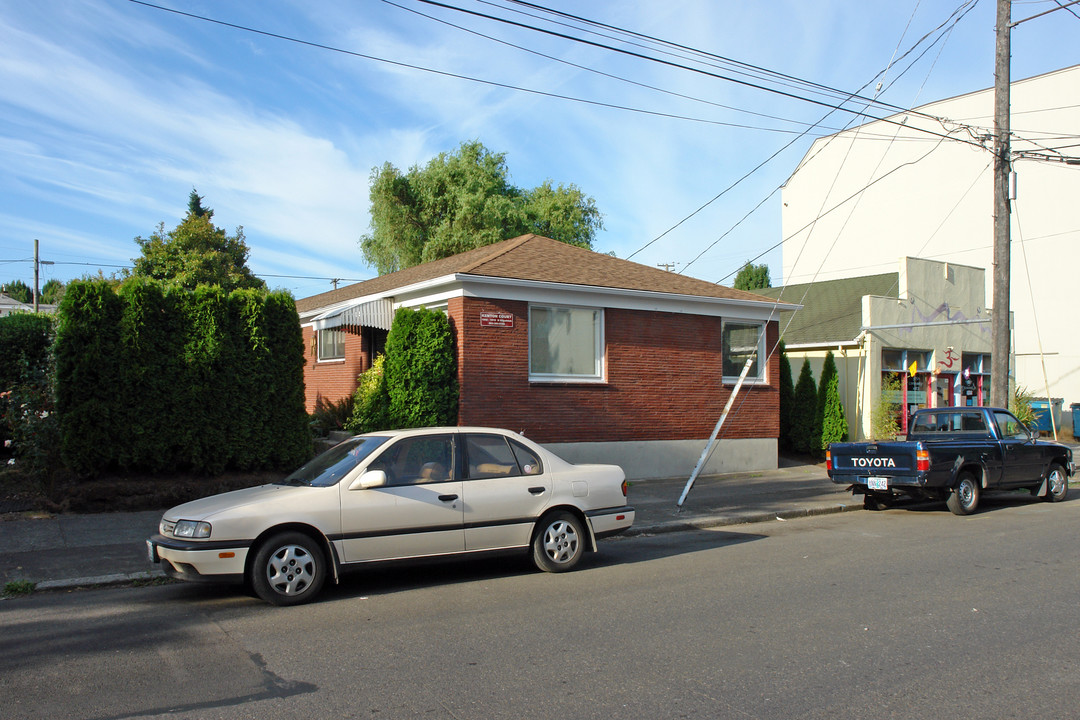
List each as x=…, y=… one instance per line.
x=953, y=454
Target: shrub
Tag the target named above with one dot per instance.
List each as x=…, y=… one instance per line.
x=420, y=370
x=330, y=415
x=884, y=420
x=370, y=401
x=1020, y=406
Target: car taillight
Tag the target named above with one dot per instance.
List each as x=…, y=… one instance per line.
x=624, y=488
x=922, y=459
x=828, y=461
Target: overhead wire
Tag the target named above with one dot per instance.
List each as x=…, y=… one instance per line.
x=602, y=73
x=669, y=63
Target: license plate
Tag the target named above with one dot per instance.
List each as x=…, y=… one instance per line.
x=877, y=483
x=151, y=552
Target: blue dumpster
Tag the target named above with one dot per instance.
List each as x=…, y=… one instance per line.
x=1075, y=407
x=1042, y=409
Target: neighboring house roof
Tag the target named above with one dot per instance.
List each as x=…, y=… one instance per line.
x=832, y=309
x=9, y=304
x=538, y=259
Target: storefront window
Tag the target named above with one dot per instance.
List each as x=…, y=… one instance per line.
x=975, y=379
x=914, y=367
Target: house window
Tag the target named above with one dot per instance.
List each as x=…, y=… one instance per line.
x=566, y=344
x=741, y=342
x=332, y=344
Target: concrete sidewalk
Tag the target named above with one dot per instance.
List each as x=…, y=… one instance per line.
x=65, y=551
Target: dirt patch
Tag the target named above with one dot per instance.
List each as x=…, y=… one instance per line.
x=121, y=493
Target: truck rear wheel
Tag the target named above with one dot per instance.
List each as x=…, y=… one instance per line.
x=965, y=496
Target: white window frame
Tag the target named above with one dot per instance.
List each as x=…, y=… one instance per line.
x=597, y=376
x=320, y=344
x=757, y=378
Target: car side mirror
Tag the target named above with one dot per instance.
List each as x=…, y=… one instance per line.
x=370, y=479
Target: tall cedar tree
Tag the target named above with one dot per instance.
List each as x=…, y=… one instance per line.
x=196, y=252
x=834, y=422
x=803, y=411
x=464, y=200
x=787, y=399
x=828, y=370
x=830, y=424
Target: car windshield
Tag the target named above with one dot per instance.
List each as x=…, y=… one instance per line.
x=329, y=467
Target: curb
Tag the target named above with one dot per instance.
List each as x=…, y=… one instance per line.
x=99, y=580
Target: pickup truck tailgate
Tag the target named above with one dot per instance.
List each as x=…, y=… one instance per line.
x=856, y=462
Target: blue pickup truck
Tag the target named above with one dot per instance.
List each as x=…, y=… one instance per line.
x=953, y=454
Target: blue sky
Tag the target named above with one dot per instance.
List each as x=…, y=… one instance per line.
x=112, y=111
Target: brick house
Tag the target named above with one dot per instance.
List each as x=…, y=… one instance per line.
x=601, y=359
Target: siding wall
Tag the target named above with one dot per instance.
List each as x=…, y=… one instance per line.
x=663, y=380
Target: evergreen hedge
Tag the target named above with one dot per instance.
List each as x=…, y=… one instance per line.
x=420, y=370
x=156, y=378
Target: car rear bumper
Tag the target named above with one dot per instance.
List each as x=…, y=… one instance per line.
x=610, y=521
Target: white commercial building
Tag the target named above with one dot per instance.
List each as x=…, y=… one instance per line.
x=920, y=184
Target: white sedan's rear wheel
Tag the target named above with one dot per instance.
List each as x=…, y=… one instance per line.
x=559, y=542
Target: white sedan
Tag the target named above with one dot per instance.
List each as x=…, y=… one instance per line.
x=394, y=495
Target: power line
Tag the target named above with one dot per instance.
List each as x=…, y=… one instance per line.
x=848, y=96
x=605, y=74
x=443, y=73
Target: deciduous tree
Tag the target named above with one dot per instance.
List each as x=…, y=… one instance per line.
x=464, y=200
x=752, y=277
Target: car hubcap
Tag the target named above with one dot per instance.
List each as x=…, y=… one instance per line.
x=1057, y=482
x=967, y=493
x=560, y=541
x=290, y=570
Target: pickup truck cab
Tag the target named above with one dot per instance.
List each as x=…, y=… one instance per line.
x=953, y=454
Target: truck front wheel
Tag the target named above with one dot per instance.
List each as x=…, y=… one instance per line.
x=965, y=496
x=1057, y=483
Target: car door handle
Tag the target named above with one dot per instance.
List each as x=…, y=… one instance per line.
x=537, y=490
x=448, y=498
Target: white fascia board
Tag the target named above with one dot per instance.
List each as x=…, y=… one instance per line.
x=806, y=347
x=437, y=291
x=623, y=299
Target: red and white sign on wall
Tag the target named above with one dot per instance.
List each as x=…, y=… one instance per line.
x=496, y=319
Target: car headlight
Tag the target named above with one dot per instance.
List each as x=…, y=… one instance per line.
x=191, y=529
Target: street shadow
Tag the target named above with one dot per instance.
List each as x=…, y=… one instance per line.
x=396, y=577
x=988, y=502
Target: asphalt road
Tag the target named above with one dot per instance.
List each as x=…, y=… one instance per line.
x=908, y=613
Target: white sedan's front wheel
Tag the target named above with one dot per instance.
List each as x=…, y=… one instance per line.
x=559, y=543
x=288, y=569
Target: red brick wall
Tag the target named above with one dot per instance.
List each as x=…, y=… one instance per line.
x=663, y=380
x=333, y=380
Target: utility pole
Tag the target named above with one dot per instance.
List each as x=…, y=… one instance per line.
x=1000, y=331
x=36, y=262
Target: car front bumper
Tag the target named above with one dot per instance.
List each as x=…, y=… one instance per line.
x=198, y=561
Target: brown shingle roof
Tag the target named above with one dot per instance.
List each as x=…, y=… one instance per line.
x=541, y=259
